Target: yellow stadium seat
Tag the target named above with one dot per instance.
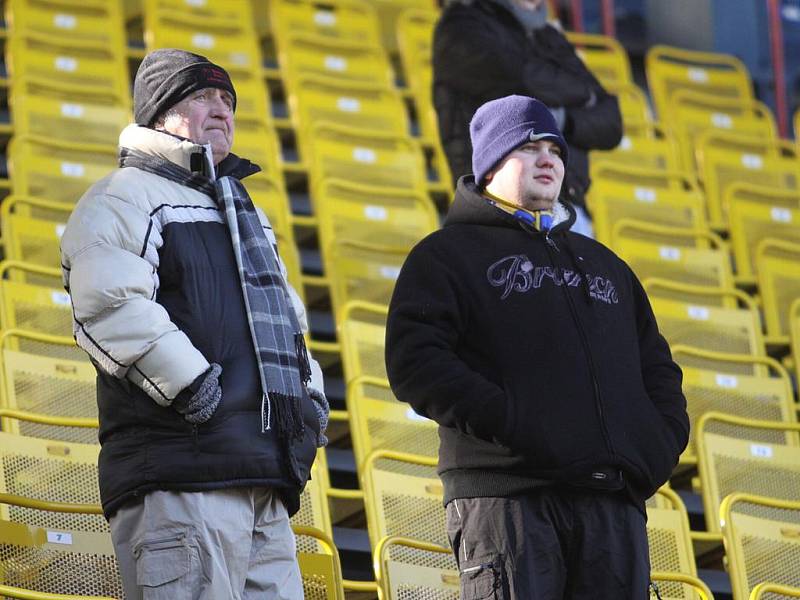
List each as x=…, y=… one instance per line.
x=55, y=170
x=344, y=20
x=378, y=421
x=643, y=195
x=318, y=99
x=87, y=66
x=637, y=120
x=34, y=307
x=39, y=560
x=645, y=151
x=257, y=141
x=374, y=159
x=672, y=69
x=406, y=568
x=685, y=586
x=42, y=344
x=347, y=210
x=778, y=283
x=669, y=541
x=36, y=241
x=389, y=13
x=726, y=297
x=749, y=396
x=794, y=335
x=605, y=57
x=752, y=222
x=726, y=158
x=300, y=55
x=717, y=329
x=695, y=112
x=403, y=496
x=745, y=455
x=362, y=272
x=762, y=543
x=362, y=332
x=66, y=115
x=86, y=20
x=320, y=567
x=228, y=40
x=691, y=256
x=209, y=10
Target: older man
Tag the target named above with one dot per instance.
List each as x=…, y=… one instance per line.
x=211, y=408
x=535, y=349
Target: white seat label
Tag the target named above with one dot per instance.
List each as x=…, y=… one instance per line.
x=63, y=21
x=203, y=40
x=69, y=169
x=325, y=18
x=66, y=64
x=698, y=313
x=376, y=213
x=351, y=105
x=669, y=253
x=761, y=451
x=697, y=75
x=727, y=381
x=752, y=161
x=335, y=63
x=364, y=155
x=59, y=537
x=389, y=272
x=625, y=143
x=721, y=120
x=196, y=3
x=72, y=111
x=60, y=298
x=645, y=194
x=781, y=215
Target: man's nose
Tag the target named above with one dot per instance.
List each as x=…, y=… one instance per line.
x=220, y=107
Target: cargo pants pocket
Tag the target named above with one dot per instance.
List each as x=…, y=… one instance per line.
x=483, y=581
x=167, y=567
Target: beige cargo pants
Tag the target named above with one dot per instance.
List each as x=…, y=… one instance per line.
x=232, y=544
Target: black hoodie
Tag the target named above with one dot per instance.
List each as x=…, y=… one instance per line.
x=538, y=355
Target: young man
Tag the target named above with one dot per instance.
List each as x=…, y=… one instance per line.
x=210, y=407
x=486, y=49
x=535, y=349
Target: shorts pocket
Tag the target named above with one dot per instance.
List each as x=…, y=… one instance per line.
x=164, y=567
x=483, y=581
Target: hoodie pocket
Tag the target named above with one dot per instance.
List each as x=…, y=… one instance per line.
x=483, y=581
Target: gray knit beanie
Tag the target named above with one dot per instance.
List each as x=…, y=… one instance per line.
x=167, y=76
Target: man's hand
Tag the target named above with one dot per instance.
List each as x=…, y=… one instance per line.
x=198, y=402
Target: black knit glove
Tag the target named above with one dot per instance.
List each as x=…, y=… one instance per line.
x=198, y=402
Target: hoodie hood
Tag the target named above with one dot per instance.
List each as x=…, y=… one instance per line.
x=472, y=207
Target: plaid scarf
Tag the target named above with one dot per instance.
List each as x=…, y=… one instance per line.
x=277, y=337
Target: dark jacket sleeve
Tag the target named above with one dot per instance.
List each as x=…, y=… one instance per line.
x=597, y=127
x=662, y=377
x=470, y=58
x=426, y=320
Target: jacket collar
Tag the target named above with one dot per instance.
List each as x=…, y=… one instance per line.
x=472, y=207
x=193, y=157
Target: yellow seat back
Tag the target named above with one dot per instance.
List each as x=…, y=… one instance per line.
x=643, y=151
x=751, y=222
x=345, y=20
x=320, y=567
x=778, y=282
x=362, y=335
x=734, y=456
x=406, y=568
x=403, y=496
x=672, y=69
x=378, y=421
x=89, y=20
x=59, y=171
x=727, y=158
x=314, y=510
x=669, y=540
x=604, y=56
x=762, y=545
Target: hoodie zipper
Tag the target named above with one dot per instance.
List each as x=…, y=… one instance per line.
x=550, y=246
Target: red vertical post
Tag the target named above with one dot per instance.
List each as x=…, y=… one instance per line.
x=609, y=27
x=577, y=16
x=778, y=70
